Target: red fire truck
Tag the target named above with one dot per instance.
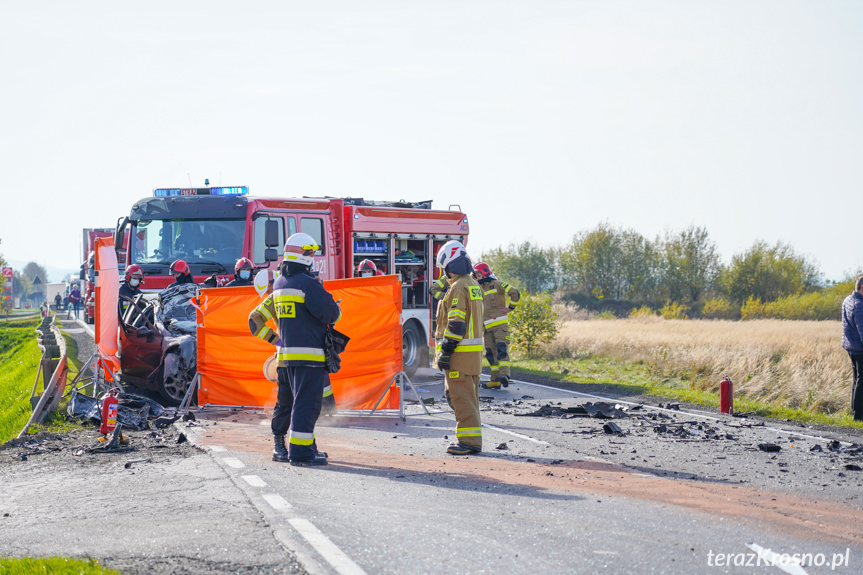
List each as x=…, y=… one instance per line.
x=212, y=227
x=87, y=276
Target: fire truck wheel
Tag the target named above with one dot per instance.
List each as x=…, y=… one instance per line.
x=412, y=342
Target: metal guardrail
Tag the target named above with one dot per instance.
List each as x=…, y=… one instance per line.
x=53, y=367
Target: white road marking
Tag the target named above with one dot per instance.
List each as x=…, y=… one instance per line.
x=233, y=462
x=792, y=567
x=519, y=435
x=328, y=550
x=218, y=448
x=598, y=552
x=254, y=481
x=276, y=501
x=693, y=414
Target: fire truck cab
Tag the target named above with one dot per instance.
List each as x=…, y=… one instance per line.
x=212, y=227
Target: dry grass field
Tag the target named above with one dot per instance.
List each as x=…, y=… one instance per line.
x=796, y=364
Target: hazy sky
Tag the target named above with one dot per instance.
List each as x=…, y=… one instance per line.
x=539, y=118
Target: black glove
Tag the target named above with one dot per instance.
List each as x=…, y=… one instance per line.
x=512, y=308
x=443, y=361
x=212, y=281
x=447, y=348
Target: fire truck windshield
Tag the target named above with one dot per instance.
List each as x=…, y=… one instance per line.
x=192, y=240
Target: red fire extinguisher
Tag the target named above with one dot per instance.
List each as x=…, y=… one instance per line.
x=726, y=395
x=109, y=412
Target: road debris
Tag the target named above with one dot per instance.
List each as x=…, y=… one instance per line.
x=612, y=427
x=769, y=447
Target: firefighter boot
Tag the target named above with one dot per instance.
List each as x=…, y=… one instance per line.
x=280, y=452
x=504, y=381
x=316, y=460
x=462, y=449
x=493, y=384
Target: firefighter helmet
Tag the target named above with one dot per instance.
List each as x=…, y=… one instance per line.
x=243, y=264
x=453, y=259
x=300, y=248
x=264, y=280
x=450, y=251
x=180, y=266
x=367, y=268
x=134, y=271
x=482, y=271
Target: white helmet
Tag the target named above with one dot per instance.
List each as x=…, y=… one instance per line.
x=264, y=280
x=300, y=248
x=448, y=252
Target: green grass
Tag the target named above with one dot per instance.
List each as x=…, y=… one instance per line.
x=635, y=378
x=19, y=356
x=52, y=566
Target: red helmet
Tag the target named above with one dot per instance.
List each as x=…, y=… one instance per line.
x=482, y=271
x=243, y=264
x=367, y=266
x=134, y=271
x=180, y=266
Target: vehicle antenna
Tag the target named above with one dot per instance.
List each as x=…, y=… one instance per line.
x=190, y=179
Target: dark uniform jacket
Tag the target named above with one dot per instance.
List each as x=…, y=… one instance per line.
x=303, y=309
x=129, y=292
x=459, y=318
x=183, y=279
x=238, y=282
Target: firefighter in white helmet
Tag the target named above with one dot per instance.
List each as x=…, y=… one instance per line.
x=499, y=299
x=303, y=309
x=458, y=350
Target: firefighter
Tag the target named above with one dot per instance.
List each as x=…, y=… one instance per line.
x=459, y=345
x=242, y=273
x=132, y=282
x=367, y=268
x=181, y=272
x=438, y=287
x=303, y=309
x=499, y=299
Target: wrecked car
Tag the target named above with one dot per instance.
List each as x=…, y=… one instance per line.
x=158, y=346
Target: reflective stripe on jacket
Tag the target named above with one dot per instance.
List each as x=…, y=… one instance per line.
x=498, y=297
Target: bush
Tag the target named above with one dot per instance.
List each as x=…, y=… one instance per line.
x=605, y=315
x=642, y=312
x=719, y=308
x=533, y=323
x=752, y=309
x=674, y=310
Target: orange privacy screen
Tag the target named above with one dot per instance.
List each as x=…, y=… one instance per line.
x=231, y=359
x=107, y=290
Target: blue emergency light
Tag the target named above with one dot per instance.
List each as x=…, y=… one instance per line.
x=215, y=191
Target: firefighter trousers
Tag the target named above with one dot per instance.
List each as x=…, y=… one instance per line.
x=463, y=394
x=281, y=421
x=496, y=342
x=307, y=384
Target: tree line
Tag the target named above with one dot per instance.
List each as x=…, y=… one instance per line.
x=679, y=273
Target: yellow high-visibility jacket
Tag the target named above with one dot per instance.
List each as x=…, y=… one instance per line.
x=459, y=318
x=499, y=298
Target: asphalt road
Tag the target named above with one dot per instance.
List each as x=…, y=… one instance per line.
x=551, y=493
x=560, y=495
